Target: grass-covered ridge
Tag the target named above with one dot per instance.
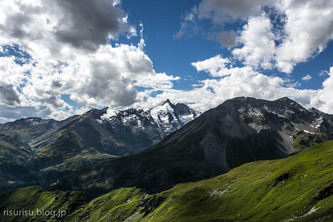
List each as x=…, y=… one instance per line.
x=298, y=188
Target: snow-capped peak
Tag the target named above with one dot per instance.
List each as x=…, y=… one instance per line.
x=164, y=118
x=171, y=117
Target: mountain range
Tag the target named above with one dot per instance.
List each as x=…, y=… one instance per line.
x=246, y=160
x=239, y=131
x=41, y=151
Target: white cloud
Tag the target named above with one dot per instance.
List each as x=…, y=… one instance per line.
x=215, y=66
x=227, y=38
x=307, y=78
x=8, y=94
x=324, y=100
x=16, y=112
x=277, y=34
x=108, y=77
x=323, y=73
x=258, y=43
x=221, y=11
x=308, y=29
x=85, y=25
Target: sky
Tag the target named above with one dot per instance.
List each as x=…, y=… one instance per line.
x=63, y=57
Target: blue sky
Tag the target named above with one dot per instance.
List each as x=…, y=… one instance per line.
x=169, y=54
x=65, y=57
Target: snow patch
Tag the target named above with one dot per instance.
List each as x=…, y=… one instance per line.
x=255, y=112
x=305, y=131
x=217, y=192
x=186, y=118
x=36, y=121
x=311, y=211
x=99, y=121
x=108, y=115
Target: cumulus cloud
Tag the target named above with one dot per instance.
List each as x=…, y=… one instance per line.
x=308, y=29
x=307, y=78
x=227, y=38
x=324, y=99
x=110, y=77
x=85, y=25
x=276, y=34
x=221, y=11
x=296, y=41
x=8, y=95
x=258, y=43
x=215, y=66
x=17, y=112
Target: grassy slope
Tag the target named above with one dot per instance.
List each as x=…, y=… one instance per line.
x=64, y=156
x=275, y=190
x=114, y=206
x=33, y=198
x=278, y=190
x=13, y=173
x=77, y=145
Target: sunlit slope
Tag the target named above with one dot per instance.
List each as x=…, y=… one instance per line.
x=274, y=190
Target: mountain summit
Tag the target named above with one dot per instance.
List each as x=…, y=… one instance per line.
x=151, y=125
x=170, y=117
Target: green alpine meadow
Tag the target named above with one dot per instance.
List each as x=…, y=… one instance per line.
x=298, y=188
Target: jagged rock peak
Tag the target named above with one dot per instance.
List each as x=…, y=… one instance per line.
x=130, y=111
x=95, y=113
x=285, y=99
x=242, y=101
x=314, y=110
x=167, y=101
x=33, y=121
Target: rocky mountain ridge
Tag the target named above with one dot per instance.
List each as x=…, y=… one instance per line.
x=239, y=131
x=163, y=119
